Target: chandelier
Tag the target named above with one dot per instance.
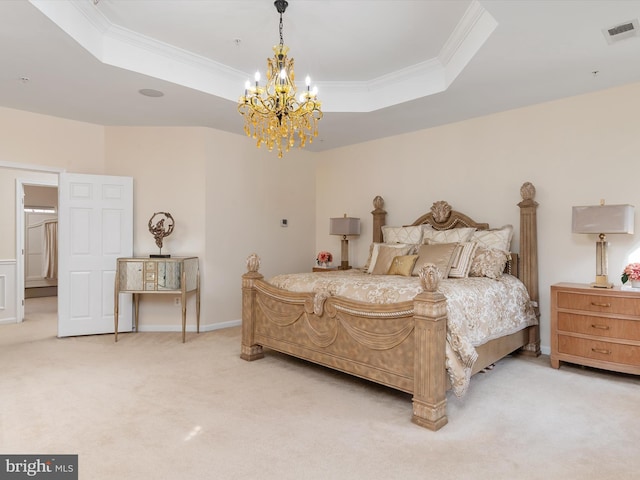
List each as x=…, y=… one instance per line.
x=272, y=114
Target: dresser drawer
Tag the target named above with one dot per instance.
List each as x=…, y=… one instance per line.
x=598, y=350
x=599, y=326
x=599, y=303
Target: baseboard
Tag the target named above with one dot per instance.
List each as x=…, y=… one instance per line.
x=190, y=327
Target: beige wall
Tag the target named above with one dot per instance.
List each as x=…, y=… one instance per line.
x=44, y=141
x=249, y=191
x=35, y=139
x=167, y=166
x=226, y=196
x=227, y=199
x=575, y=151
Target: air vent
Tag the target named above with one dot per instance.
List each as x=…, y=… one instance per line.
x=620, y=29
x=621, y=32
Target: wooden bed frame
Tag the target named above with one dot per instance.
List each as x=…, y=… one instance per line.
x=401, y=345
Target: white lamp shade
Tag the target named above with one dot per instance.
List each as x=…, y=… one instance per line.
x=344, y=226
x=603, y=219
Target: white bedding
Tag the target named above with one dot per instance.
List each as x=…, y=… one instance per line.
x=479, y=309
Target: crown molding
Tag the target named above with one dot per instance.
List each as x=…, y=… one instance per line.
x=124, y=48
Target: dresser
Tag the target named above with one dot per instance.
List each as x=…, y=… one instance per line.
x=176, y=276
x=595, y=327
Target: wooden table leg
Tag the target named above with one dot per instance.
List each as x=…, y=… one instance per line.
x=198, y=301
x=136, y=303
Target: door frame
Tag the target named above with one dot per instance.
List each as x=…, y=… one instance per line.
x=22, y=179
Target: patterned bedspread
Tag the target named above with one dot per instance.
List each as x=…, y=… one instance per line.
x=478, y=309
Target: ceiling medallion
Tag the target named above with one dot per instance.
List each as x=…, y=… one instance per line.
x=272, y=114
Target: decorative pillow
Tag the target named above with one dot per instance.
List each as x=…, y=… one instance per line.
x=383, y=255
x=368, y=262
x=453, y=235
x=409, y=235
x=402, y=265
x=439, y=254
x=499, y=238
x=461, y=259
x=373, y=247
x=488, y=262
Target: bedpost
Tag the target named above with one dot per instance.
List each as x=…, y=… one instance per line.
x=430, y=336
x=529, y=259
x=379, y=218
x=249, y=350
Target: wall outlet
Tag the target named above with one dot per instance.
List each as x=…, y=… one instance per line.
x=284, y=222
x=176, y=301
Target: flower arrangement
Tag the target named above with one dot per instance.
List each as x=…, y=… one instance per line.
x=631, y=272
x=324, y=257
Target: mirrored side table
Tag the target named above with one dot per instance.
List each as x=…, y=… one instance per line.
x=142, y=275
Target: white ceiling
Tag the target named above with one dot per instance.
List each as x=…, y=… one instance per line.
x=383, y=67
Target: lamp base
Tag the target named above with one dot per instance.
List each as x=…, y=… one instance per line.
x=602, y=282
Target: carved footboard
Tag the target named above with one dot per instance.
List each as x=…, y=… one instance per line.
x=400, y=345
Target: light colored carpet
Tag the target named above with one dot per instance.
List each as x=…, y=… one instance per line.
x=150, y=407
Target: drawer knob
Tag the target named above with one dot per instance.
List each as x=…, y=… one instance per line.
x=601, y=350
x=596, y=304
x=601, y=327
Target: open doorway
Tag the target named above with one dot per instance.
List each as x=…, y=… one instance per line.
x=40, y=241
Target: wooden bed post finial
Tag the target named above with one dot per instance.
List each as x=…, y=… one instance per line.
x=430, y=277
x=253, y=263
x=379, y=218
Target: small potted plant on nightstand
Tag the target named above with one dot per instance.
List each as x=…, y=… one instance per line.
x=324, y=259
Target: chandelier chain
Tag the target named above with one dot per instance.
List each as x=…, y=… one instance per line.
x=281, y=37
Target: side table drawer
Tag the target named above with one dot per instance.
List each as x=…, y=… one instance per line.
x=599, y=326
x=598, y=303
x=599, y=350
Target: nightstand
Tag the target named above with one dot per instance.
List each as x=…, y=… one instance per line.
x=595, y=327
x=327, y=269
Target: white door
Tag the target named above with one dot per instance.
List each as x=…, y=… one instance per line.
x=95, y=227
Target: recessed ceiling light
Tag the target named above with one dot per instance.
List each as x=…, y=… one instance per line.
x=150, y=92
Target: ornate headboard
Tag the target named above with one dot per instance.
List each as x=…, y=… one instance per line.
x=523, y=264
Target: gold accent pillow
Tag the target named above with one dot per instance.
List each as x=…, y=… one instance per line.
x=402, y=265
x=440, y=254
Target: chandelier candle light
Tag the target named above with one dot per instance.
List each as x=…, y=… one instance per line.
x=272, y=114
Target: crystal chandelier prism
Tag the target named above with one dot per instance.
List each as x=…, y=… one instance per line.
x=272, y=114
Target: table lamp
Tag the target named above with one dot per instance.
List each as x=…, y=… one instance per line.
x=345, y=226
x=602, y=219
